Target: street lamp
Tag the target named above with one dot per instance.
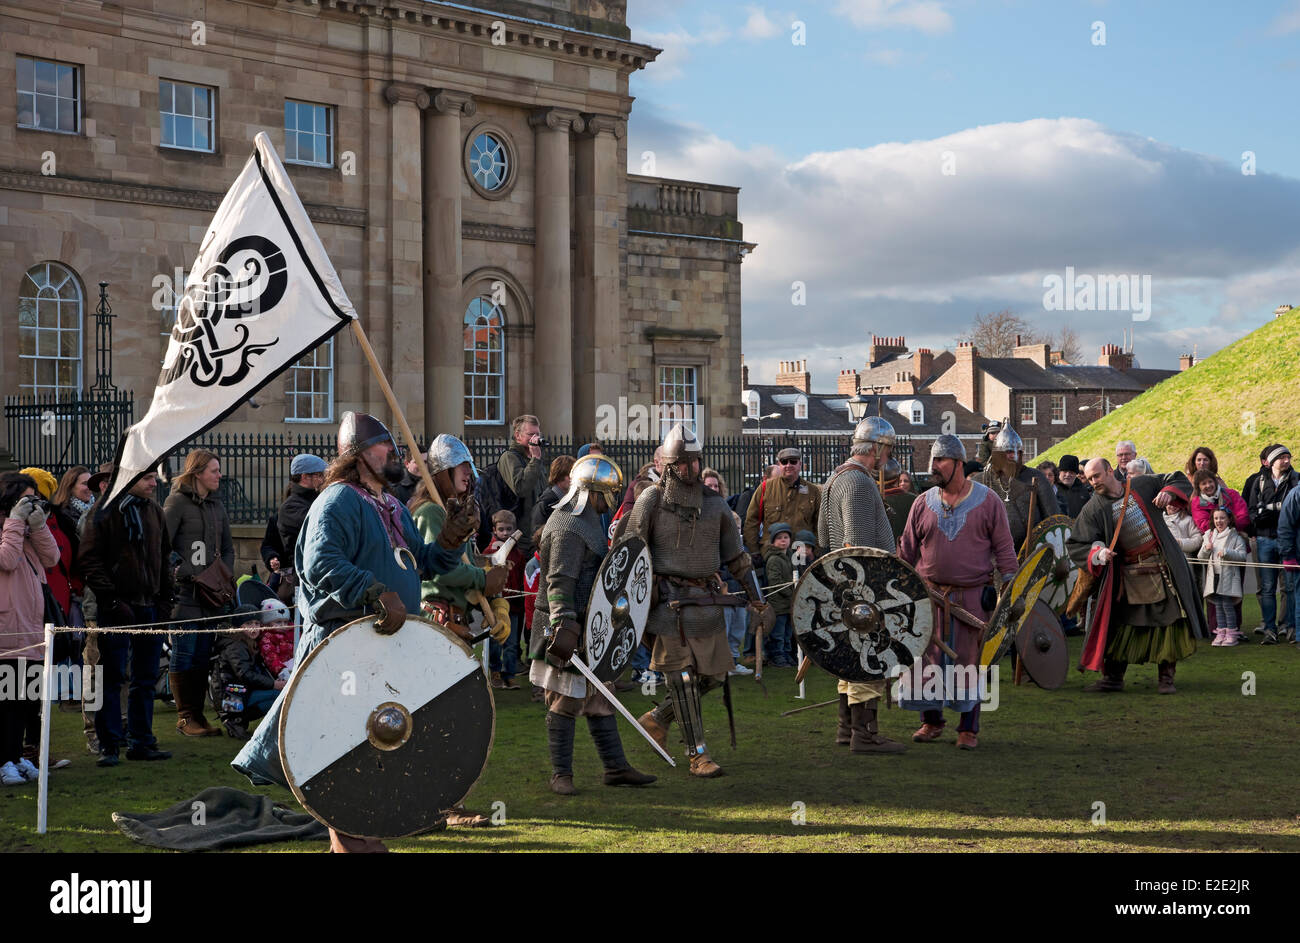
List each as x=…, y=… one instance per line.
x=858, y=403
x=759, y=420
x=1103, y=404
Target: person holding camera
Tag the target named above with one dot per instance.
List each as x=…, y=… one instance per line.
x=27, y=549
x=523, y=469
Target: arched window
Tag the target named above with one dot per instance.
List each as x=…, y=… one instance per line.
x=49, y=331
x=750, y=398
x=485, y=354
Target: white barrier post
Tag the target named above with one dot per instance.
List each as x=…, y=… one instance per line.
x=43, y=783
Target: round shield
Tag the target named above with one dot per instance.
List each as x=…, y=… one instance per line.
x=1015, y=605
x=1054, y=532
x=380, y=732
x=1042, y=649
x=619, y=608
x=859, y=612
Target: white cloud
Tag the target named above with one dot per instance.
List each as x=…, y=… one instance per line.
x=759, y=25
x=928, y=16
x=1288, y=21
x=886, y=57
x=676, y=45
x=885, y=242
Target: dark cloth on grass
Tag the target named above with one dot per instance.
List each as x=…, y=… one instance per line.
x=231, y=818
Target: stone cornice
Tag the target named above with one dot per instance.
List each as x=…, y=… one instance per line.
x=406, y=92
x=602, y=124
x=151, y=195
x=518, y=32
x=556, y=119
x=493, y=232
x=446, y=101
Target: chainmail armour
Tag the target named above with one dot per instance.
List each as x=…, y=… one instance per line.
x=570, y=552
x=853, y=513
x=1016, y=495
x=691, y=534
x=1134, y=532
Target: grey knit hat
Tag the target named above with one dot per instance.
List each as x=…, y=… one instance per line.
x=948, y=446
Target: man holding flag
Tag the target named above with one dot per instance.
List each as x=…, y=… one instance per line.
x=261, y=294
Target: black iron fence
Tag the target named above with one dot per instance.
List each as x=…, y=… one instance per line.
x=56, y=435
x=255, y=467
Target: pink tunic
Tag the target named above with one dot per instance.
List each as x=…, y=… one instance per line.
x=957, y=549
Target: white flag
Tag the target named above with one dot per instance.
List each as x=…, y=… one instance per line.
x=260, y=295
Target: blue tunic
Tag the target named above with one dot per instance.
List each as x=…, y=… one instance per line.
x=342, y=549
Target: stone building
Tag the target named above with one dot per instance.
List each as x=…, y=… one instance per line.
x=464, y=166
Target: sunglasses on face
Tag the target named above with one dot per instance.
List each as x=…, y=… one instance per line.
x=789, y=461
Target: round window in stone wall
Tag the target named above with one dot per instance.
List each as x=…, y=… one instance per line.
x=489, y=162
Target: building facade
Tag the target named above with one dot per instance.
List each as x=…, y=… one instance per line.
x=465, y=168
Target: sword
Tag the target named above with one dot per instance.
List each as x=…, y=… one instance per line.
x=731, y=715
x=618, y=705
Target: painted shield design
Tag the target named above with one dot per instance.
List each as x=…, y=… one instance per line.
x=1016, y=604
x=619, y=607
x=380, y=732
x=1042, y=649
x=860, y=612
x=1054, y=532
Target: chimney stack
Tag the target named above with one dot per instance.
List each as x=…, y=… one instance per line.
x=967, y=385
x=882, y=348
x=1186, y=362
x=1112, y=355
x=794, y=373
x=846, y=384
x=904, y=384
x=922, y=364
x=1040, y=354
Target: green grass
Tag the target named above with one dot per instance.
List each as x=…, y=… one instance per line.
x=1208, y=769
x=1236, y=402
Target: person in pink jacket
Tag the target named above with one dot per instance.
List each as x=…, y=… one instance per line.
x=27, y=549
x=1210, y=494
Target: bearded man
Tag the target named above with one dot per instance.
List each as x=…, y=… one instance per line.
x=347, y=564
x=853, y=515
x=691, y=534
x=1025, y=493
x=956, y=536
x=1147, y=606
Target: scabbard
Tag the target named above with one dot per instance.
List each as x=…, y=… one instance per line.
x=731, y=714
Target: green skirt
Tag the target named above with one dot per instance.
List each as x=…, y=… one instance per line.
x=1138, y=645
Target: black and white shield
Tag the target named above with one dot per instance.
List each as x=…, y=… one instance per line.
x=860, y=612
x=619, y=607
x=380, y=732
x=1054, y=532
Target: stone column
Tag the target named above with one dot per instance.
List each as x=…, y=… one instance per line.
x=444, y=314
x=405, y=255
x=552, y=289
x=599, y=367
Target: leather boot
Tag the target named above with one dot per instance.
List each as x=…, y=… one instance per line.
x=1112, y=677
x=865, y=732
x=704, y=767
x=1165, y=684
x=188, y=691
x=618, y=771
x=559, y=736
x=843, y=732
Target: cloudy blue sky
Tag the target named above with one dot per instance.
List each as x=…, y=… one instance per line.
x=1117, y=158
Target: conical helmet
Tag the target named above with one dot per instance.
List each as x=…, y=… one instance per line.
x=359, y=431
x=447, y=451
x=1008, y=440
x=947, y=446
x=874, y=429
x=680, y=443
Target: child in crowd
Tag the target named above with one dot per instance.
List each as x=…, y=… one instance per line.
x=1221, y=546
x=242, y=686
x=780, y=571
x=504, y=657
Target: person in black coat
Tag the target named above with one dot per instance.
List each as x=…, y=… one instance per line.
x=1071, y=493
x=306, y=476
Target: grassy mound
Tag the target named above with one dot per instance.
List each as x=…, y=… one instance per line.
x=1236, y=402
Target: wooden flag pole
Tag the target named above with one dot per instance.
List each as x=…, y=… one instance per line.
x=412, y=445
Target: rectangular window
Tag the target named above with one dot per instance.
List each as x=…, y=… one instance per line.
x=308, y=134
x=311, y=386
x=1058, y=409
x=918, y=416
x=1031, y=450
x=1028, y=409
x=49, y=96
x=678, y=398
x=186, y=114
